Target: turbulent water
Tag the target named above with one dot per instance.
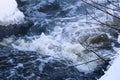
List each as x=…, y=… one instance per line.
x=69, y=31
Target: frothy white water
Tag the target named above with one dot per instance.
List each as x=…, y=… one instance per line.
x=65, y=41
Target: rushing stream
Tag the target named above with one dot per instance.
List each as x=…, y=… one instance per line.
x=66, y=29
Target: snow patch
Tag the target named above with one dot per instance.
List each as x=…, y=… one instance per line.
x=118, y=39
x=113, y=72
x=9, y=13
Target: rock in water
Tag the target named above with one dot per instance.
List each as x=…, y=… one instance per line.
x=16, y=29
x=100, y=41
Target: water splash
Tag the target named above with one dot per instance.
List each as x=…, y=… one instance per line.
x=66, y=38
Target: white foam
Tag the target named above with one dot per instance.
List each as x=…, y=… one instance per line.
x=63, y=42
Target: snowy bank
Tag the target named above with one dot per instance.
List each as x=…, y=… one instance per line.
x=9, y=13
x=113, y=72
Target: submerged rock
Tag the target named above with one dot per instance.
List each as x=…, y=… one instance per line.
x=16, y=29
